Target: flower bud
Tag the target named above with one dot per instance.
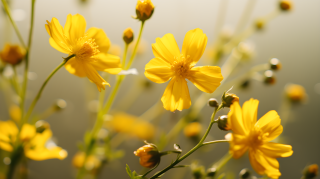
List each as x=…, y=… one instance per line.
x=223, y=123
x=42, y=126
x=295, y=93
x=269, y=77
x=213, y=102
x=275, y=64
x=211, y=172
x=149, y=155
x=12, y=54
x=197, y=171
x=128, y=35
x=192, y=130
x=244, y=173
x=260, y=23
x=144, y=9
x=285, y=5
x=228, y=99
x=311, y=171
x=60, y=104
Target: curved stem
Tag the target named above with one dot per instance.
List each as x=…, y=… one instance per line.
x=124, y=56
x=34, y=102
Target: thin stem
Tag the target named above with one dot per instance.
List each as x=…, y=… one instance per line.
x=26, y=68
x=221, y=16
x=15, y=80
x=150, y=170
x=34, y=102
x=6, y=8
x=245, y=15
x=136, y=47
x=124, y=55
x=213, y=142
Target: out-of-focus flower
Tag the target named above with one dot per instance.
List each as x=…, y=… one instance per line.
x=193, y=129
x=295, y=93
x=12, y=54
x=149, y=156
x=260, y=23
x=144, y=9
x=92, y=162
x=311, y=171
x=245, y=51
x=269, y=77
x=128, y=35
x=171, y=64
x=34, y=144
x=285, y=5
x=275, y=64
x=250, y=134
x=90, y=49
x=131, y=125
x=142, y=48
x=15, y=113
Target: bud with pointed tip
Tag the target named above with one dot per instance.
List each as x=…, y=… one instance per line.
x=228, y=99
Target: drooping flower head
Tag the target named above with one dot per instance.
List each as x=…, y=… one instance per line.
x=89, y=47
x=171, y=64
x=12, y=54
x=255, y=136
x=36, y=145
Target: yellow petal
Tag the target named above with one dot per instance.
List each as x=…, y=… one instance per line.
x=7, y=128
x=249, y=112
x=276, y=150
x=238, y=146
x=56, y=32
x=107, y=63
x=194, y=45
x=75, y=27
x=27, y=132
x=235, y=119
x=166, y=48
x=75, y=67
x=176, y=96
x=94, y=76
x=158, y=70
x=100, y=38
x=270, y=123
x=57, y=47
x=206, y=78
x=255, y=164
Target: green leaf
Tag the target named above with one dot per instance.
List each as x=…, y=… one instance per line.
x=132, y=175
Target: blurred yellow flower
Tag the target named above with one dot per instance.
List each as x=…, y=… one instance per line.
x=132, y=125
x=193, y=129
x=128, y=35
x=90, y=48
x=296, y=93
x=115, y=50
x=144, y=9
x=37, y=146
x=12, y=54
x=171, y=64
x=92, y=163
x=250, y=134
x=15, y=113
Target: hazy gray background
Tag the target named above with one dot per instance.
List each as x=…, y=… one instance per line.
x=292, y=37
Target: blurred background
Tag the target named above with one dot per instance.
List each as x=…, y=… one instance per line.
x=292, y=37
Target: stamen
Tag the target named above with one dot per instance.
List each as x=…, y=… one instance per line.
x=181, y=66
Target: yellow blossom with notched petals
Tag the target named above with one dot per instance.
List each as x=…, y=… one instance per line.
x=254, y=136
x=171, y=64
x=90, y=49
x=34, y=144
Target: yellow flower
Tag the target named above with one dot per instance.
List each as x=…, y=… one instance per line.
x=193, y=129
x=92, y=163
x=144, y=9
x=254, y=136
x=90, y=48
x=12, y=54
x=171, y=64
x=132, y=125
x=15, y=113
x=149, y=156
x=296, y=93
x=36, y=145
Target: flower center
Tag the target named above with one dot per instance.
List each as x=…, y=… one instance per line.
x=181, y=66
x=85, y=48
x=257, y=137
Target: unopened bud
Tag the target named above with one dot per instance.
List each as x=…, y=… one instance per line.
x=149, y=156
x=193, y=129
x=311, y=171
x=211, y=172
x=260, y=23
x=42, y=126
x=223, y=123
x=228, y=99
x=144, y=9
x=244, y=173
x=275, y=64
x=60, y=104
x=269, y=77
x=285, y=5
x=128, y=35
x=198, y=172
x=12, y=54
x=295, y=93
x=213, y=102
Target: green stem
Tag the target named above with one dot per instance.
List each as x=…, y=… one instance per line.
x=26, y=68
x=16, y=156
x=200, y=144
x=15, y=80
x=34, y=102
x=6, y=8
x=136, y=47
x=124, y=55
